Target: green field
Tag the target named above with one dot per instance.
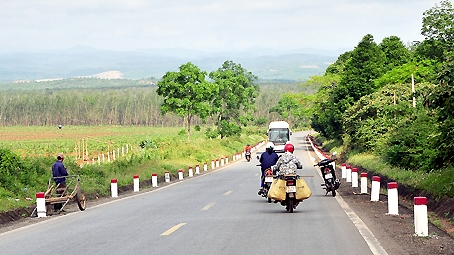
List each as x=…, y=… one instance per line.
x=166, y=149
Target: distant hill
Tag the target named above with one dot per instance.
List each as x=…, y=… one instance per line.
x=86, y=62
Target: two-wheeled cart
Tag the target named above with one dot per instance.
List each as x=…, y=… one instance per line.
x=63, y=195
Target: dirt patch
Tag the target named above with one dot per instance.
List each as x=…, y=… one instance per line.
x=396, y=232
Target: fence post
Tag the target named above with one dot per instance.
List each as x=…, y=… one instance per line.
x=154, y=180
x=136, y=183
x=197, y=169
x=375, y=192
x=355, y=177
x=114, y=187
x=180, y=174
x=420, y=211
x=363, y=183
x=344, y=170
x=40, y=205
x=167, y=176
x=349, y=173
x=393, y=199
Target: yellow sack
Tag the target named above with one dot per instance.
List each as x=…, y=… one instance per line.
x=277, y=190
x=302, y=190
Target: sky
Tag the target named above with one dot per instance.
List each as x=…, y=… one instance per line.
x=207, y=25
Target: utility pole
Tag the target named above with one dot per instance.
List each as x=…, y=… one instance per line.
x=413, y=90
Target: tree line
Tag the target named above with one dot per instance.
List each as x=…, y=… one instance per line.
x=394, y=100
x=112, y=106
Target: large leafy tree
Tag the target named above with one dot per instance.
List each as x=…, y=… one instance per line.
x=396, y=54
x=442, y=100
x=233, y=104
x=295, y=108
x=438, y=24
x=361, y=69
x=186, y=93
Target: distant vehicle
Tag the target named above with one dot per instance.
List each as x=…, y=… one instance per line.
x=279, y=133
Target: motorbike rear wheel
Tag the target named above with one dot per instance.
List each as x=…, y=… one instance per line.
x=290, y=205
x=333, y=193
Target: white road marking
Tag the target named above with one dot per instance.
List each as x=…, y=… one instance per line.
x=173, y=229
x=208, y=206
x=228, y=192
x=364, y=231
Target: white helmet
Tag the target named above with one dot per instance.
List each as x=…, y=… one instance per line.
x=270, y=145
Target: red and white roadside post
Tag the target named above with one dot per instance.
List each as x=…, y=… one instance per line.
x=375, y=191
x=363, y=183
x=154, y=180
x=420, y=211
x=180, y=174
x=205, y=167
x=344, y=170
x=217, y=163
x=167, y=176
x=114, y=187
x=393, y=199
x=226, y=160
x=212, y=164
x=40, y=205
x=136, y=183
x=197, y=169
x=349, y=173
x=222, y=161
x=355, y=177
x=190, y=172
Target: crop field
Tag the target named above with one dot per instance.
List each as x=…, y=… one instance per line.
x=78, y=141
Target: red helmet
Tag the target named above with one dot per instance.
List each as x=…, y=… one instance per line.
x=289, y=147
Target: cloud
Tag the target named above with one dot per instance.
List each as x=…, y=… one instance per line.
x=205, y=24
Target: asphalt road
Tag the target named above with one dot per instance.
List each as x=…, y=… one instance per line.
x=214, y=213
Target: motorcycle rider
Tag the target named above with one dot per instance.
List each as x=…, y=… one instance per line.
x=248, y=148
x=287, y=162
x=267, y=160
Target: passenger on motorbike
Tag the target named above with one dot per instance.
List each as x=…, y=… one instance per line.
x=288, y=162
x=267, y=160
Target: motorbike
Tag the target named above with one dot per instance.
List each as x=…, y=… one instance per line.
x=289, y=183
x=329, y=176
x=247, y=154
x=269, y=177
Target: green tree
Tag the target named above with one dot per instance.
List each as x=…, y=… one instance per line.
x=423, y=71
x=396, y=54
x=357, y=80
x=235, y=97
x=442, y=100
x=339, y=66
x=186, y=93
x=295, y=108
x=437, y=24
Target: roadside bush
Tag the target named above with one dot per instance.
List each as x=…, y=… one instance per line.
x=411, y=145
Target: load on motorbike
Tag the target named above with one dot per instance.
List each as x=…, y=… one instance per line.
x=288, y=188
x=329, y=175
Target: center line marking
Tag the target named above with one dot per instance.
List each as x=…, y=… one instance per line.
x=208, y=206
x=228, y=192
x=173, y=229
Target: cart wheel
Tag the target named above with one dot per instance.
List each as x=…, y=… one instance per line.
x=80, y=199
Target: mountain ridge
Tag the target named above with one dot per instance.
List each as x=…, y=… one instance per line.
x=83, y=62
